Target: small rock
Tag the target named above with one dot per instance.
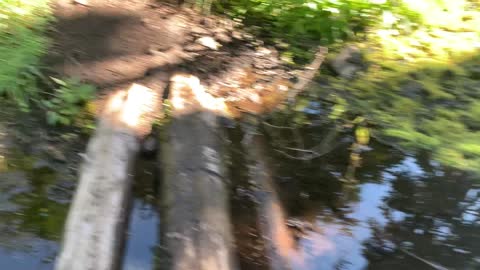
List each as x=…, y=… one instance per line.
x=40, y=164
x=81, y=2
x=248, y=37
x=348, y=62
x=158, y=49
x=195, y=47
x=55, y=153
x=145, y=21
x=237, y=35
x=209, y=42
x=223, y=37
x=265, y=64
x=208, y=22
x=199, y=31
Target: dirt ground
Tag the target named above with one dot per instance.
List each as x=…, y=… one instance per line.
x=114, y=43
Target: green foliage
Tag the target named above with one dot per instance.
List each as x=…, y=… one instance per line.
x=67, y=102
x=306, y=23
x=22, y=43
x=421, y=85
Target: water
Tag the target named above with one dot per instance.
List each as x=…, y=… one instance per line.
x=402, y=212
x=33, y=207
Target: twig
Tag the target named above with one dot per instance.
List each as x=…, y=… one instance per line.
x=313, y=155
x=275, y=126
x=429, y=263
x=301, y=150
x=308, y=74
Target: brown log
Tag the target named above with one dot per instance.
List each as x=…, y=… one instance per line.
x=94, y=231
x=197, y=229
x=279, y=243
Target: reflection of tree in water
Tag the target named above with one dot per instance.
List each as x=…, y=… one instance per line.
x=432, y=203
x=423, y=205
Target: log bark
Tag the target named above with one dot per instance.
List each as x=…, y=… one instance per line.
x=94, y=230
x=197, y=230
x=278, y=241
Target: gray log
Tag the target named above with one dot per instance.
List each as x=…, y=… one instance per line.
x=197, y=231
x=94, y=231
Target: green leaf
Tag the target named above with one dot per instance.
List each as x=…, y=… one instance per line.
x=47, y=103
x=52, y=118
x=64, y=120
x=58, y=81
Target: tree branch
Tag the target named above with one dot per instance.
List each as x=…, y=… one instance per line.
x=308, y=74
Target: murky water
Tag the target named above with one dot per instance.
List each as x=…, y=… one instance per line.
x=402, y=212
x=34, y=202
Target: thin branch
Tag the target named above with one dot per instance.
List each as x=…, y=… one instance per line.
x=275, y=126
x=308, y=74
x=313, y=154
x=429, y=263
x=301, y=150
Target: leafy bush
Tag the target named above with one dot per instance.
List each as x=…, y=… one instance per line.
x=303, y=24
x=67, y=101
x=22, y=44
x=420, y=85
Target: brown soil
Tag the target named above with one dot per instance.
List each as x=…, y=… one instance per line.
x=114, y=43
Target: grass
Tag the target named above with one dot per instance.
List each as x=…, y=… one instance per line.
x=22, y=44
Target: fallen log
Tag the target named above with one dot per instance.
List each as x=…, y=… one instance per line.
x=197, y=230
x=278, y=241
x=94, y=231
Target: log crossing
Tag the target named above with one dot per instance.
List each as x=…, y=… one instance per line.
x=94, y=231
x=197, y=232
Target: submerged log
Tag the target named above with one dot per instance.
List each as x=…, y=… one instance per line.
x=94, y=230
x=197, y=228
x=278, y=240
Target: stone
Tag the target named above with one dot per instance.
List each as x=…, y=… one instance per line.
x=40, y=164
x=207, y=22
x=55, y=153
x=208, y=42
x=195, y=48
x=348, y=62
x=237, y=35
x=81, y=2
x=223, y=37
x=199, y=30
x=158, y=49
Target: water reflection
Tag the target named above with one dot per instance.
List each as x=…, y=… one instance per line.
x=34, y=202
x=141, y=238
x=405, y=211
